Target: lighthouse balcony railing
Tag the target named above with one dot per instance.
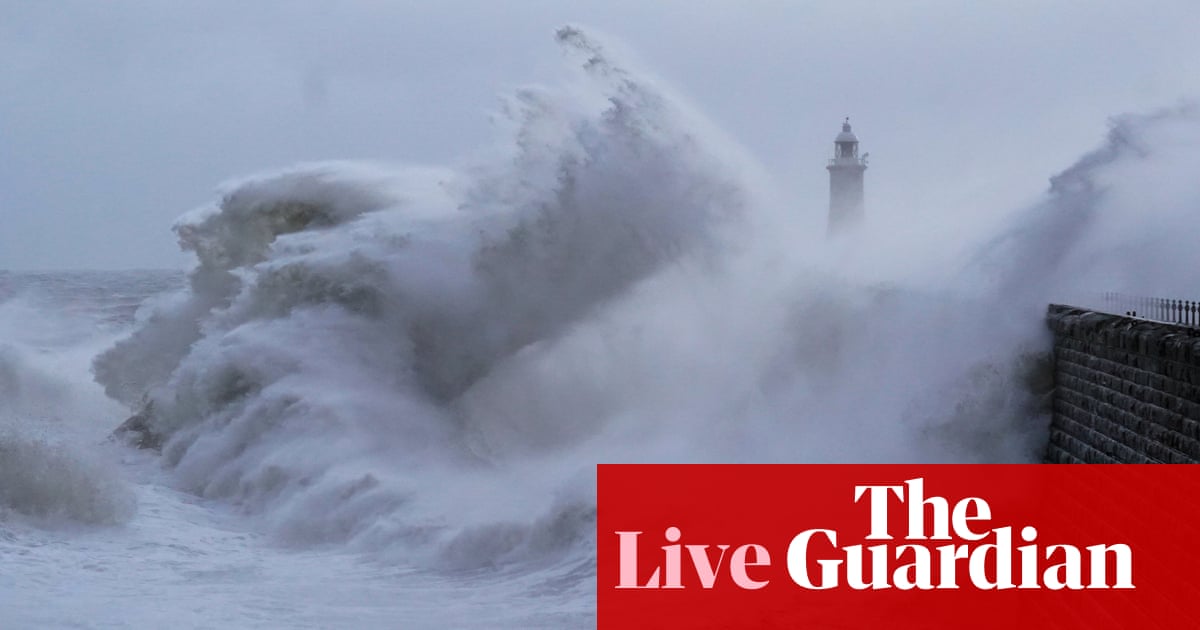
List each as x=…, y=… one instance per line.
x=848, y=161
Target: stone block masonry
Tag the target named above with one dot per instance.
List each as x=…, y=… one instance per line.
x=1126, y=390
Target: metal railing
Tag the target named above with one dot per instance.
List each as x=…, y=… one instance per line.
x=1180, y=312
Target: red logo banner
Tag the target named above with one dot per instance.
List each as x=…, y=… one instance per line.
x=898, y=546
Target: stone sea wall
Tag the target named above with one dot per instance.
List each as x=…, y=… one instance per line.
x=1126, y=390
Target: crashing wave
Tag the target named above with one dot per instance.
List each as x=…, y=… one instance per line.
x=54, y=482
x=50, y=479
x=430, y=361
x=338, y=313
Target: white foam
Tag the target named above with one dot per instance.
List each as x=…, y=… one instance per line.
x=426, y=363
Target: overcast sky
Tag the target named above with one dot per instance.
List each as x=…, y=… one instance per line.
x=117, y=116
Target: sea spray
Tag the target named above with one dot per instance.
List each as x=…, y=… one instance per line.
x=427, y=363
x=313, y=370
x=52, y=471
x=54, y=481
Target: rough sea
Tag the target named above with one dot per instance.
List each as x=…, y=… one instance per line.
x=379, y=393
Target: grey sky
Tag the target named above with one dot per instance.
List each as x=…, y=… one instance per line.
x=117, y=116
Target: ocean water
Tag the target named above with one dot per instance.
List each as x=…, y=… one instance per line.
x=95, y=534
x=381, y=390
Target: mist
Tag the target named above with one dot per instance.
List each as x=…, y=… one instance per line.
x=614, y=280
x=114, y=119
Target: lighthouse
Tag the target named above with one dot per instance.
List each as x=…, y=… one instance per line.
x=845, y=182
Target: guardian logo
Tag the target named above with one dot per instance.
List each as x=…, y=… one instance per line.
x=859, y=546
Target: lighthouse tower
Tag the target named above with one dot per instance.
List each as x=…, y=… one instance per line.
x=845, y=182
